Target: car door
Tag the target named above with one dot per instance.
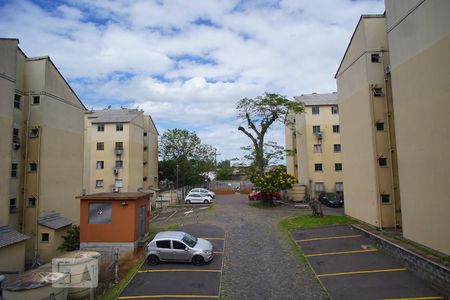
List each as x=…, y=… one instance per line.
x=196, y=198
x=164, y=250
x=179, y=252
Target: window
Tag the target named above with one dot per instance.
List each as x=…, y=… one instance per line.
x=339, y=187
x=13, y=170
x=163, y=244
x=118, y=183
x=99, y=183
x=145, y=163
x=36, y=99
x=335, y=109
x=100, y=127
x=45, y=237
x=178, y=245
x=316, y=129
x=375, y=57
x=317, y=148
x=101, y=146
x=100, y=164
x=385, y=198
x=12, y=206
x=119, y=163
x=318, y=167
x=336, y=129
x=100, y=213
x=34, y=133
x=315, y=110
x=144, y=179
x=16, y=135
x=379, y=126
x=31, y=202
x=119, y=145
x=33, y=167
x=119, y=127
x=338, y=166
x=17, y=99
x=319, y=187
x=145, y=133
x=337, y=147
x=145, y=148
x=382, y=162
x=377, y=92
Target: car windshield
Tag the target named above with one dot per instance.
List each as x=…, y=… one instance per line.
x=189, y=240
x=331, y=197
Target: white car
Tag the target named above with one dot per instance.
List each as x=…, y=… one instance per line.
x=204, y=192
x=197, y=198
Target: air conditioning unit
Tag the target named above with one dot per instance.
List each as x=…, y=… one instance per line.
x=119, y=151
x=115, y=189
x=16, y=146
x=387, y=69
x=319, y=135
x=116, y=171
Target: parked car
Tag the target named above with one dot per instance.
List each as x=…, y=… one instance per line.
x=197, y=198
x=203, y=192
x=331, y=199
x=178, y=246
x=256, y=195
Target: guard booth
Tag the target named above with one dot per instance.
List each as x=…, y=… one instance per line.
x=110, y=221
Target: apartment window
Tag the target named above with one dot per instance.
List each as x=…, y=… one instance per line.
x=339, y=186
x=145, y=133
x=99, y=183
x=319, y=187
x=12, y=206
x=338, y=166
x=145, y=148
x=36, y=100
x=379, y=126
x=34, y=133
x=45, y=237
x=119, y=183
x=100, y=164
x=100, y=127
x=385, y=198
x=382, y=161
x=337, y=147
x=316, y=129
x=315, y=110
x=31, y=202
x=14, y=170
x=375, y=57
x=119, y=163
x=377, y=92
x=16, y=135
x=119, y=145
x=17, y=99
x=145, y=163
x=335, y=109
x=317, y=148
x=336, y=129
x=144, y=179
x=33, y=167
x=318, y=167
x=101, y=146
x=119, y=127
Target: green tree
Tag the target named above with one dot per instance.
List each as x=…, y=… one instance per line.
x=259, y=114
x=224, y=170
x=71, y=239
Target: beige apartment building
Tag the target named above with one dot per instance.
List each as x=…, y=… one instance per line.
x=315, y=146
x=121, y=151
x=41, y=152
x=394, y=91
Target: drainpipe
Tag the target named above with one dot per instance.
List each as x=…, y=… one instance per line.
x=37, y=261
x=27, y=128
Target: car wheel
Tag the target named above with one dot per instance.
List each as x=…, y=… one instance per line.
x=152, y=260
x=206, y=201
x=188, y=201
x=198, y=260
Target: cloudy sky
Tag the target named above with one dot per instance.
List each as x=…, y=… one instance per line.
x=187, y=62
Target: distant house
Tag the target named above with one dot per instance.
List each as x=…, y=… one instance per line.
x=51, y=229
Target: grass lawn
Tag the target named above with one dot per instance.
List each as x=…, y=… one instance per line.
x=291, y=224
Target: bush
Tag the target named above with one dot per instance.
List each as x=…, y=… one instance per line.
x=71, y=239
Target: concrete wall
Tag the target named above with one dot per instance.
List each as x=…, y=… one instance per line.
x=12, y=258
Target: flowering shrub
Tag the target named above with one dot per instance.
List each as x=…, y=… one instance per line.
x=274, y=181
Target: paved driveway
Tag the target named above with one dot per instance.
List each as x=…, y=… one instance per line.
x=182, y=280
x=351, y=268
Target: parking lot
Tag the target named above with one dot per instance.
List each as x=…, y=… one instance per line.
x=350, y=267
x=182, y=280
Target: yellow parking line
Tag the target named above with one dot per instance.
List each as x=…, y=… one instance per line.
x=330, y=238
x=341, y=252
x=415, y=298
x=179, y=270
x=362, y=272
x=168, y=296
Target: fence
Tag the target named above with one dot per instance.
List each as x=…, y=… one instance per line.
x=230, y=185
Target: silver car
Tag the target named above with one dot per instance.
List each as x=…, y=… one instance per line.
x=178, y=246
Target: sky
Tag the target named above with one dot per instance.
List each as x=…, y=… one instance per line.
x=188, y=62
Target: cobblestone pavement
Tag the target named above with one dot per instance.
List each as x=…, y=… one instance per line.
x=260, y=262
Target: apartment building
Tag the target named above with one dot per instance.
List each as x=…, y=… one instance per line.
x=41, y=152
x=121, y=151
x=314, y=141
x=393, y=86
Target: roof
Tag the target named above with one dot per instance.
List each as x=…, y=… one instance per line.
x=318, y=99
x=54, y=221
x=123, y=115
x=9, y=236
x=116, y=196
x=169, y=235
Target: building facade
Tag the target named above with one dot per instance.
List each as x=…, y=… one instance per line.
x=121, y=151
x=41, y=153
x=393, y=86
x=314, y=144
